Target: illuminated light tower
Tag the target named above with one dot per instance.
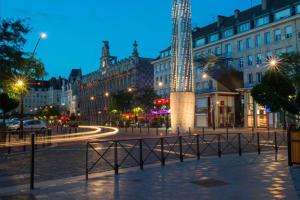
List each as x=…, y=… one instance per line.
x=182, y=71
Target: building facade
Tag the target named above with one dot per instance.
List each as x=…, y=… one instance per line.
x=245, y=41
x=129, y=74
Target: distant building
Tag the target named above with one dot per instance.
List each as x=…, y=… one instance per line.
x=42, y=93
x=70, y=93
x=245, y=40
x=129, y=74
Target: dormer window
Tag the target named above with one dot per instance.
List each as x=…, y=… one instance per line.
x=214, y=37
x=262, y=21
x=282, y=14
x=228, y=33
x=244, y=27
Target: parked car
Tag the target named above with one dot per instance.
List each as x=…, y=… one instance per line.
x=29, y=125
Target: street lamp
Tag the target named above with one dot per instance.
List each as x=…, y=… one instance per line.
x=160, y=84
x=273, y=63
x=92, y=98
x=129, y=89
x=20, y=88
x=204, y=75
x=41, y=37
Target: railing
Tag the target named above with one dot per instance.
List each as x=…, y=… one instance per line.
x=106, y=155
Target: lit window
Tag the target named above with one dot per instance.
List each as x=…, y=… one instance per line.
x=200, y=42
x=244, y=27
x=282, y=14
x=267, y=38
x=228, y=33
x=240, y=45
x=277, y=35
x=214, y=37
x=288, y=32
x=262, y=21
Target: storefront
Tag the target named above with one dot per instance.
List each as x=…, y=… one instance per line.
x=256, y=115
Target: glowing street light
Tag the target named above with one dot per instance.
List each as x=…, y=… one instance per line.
x=160, y=84
x=204, y=75
x=92, y=98
x=106, y=94
x=43, y=35
x=273, y=63
x=20, y=83
x=129, y=89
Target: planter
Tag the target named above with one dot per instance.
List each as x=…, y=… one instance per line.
x=295, y=147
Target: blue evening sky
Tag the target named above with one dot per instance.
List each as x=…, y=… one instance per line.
x=76, y=28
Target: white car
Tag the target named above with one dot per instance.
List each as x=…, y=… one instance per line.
x=29, y=125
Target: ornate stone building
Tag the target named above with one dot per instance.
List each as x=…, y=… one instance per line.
x=129, y=74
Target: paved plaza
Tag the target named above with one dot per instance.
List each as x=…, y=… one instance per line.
x=232, y=177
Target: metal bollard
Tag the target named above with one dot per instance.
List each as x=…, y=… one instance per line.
x=180, y=149
x=240, y=145
x=162, y=151
x=276, y=143
x=141, y=155
x=116, y=158
x=198, y=147
x=258, y=143
x=32, y=161
x=219, y=146
x=178, y=133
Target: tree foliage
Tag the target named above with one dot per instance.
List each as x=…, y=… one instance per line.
x=279, y=88
x=14, y=61
x=7, y=103
x=122, y=101
x=49, y=112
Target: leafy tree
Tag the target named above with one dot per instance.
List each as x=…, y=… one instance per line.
x=290, y=65
x=276, y=91
x=121, y=101
x=7, y=104
x=49, y=112
x=144, y=98
x=14, y=61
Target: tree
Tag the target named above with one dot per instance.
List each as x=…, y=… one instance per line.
x=277, y=92
x=7, y=104
x=144, y=98
x=14, y=61
x=121, y=101
x=49, y=112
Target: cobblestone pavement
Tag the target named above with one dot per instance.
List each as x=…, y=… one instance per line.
x=232, y=177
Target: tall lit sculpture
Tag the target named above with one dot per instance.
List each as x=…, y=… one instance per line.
x=182, y=72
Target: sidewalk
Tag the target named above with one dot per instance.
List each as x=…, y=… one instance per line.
x=232, y=177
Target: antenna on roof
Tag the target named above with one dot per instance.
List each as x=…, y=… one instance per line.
x=251, y=1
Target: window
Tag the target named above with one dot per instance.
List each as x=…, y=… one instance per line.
x=244, y=27
x=218, y=51
x=277, y=35
x=200, y=42
x=250, y=60
x=258, y=77
x=209, y=52
x=298, y=9
x=259, y=58
x=288, y=32
x=267, y=38
x=241, y=62
x=269, y=54
x=250, y=78
x=228, y=49
x=257, y=41
x=240, y=45
x=248, y=43
x=262, y=21
x=214, y=37
x=280, y=51
x=289, y=50
x=282, y=14
x=228, y=33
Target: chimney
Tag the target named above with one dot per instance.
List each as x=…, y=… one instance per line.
x=265, y=4
x=105, y=58
x=236, y=13
x=220, y=20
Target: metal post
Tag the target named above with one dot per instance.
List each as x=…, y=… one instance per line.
x=131, y=129
x=203, y=132
x=258, y=143
x=227, y=133
x=116, y=157
x=289, y=143
x=86, y=162
x=162, y=151
x=166, y=130
x=198, y=148
x=190, y=132
x=9, y=140
x=180, y=149
x=141, y=155
x=178, y=133
x=276, y=143
x=148, y=129
x=268, y=132
x=219, y=146
x=240, y=145
x=156, y=131
x=32, y=162
x=140, y=129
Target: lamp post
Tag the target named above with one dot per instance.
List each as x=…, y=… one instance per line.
x=20, y=87
x=42, y=36
x=92, y=98
x=106, y=95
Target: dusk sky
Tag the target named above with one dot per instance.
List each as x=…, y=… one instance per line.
x=76, y=28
